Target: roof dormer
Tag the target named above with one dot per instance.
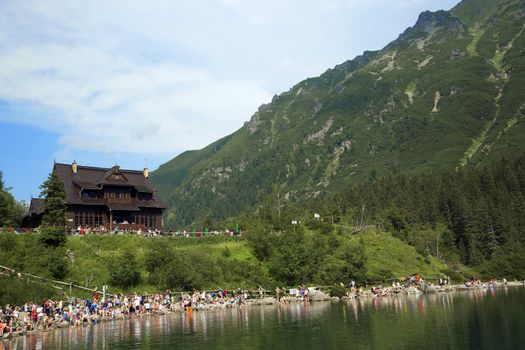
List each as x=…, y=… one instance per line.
x=113, y=176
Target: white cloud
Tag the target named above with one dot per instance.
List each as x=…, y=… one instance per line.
x=159, y=76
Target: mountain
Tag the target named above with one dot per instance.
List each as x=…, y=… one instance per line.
x=449, y=92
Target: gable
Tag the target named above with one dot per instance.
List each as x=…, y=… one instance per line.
x=113, y=176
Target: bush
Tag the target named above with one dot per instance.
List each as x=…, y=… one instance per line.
x=123, y=271
x=261, y=243
x=14, y=290
x=169, y=269
x=57, y=263
x=157, y=258
x=295, y=257
x=52, y=236
x=510, y=266
x=337, y=291
x=226, y=252
x=454, y=275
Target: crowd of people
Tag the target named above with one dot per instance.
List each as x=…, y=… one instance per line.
x=51, y=314
x=131, y=229
x=142, y=231
x=417, y=284
x=32, y=317
x=476, y=282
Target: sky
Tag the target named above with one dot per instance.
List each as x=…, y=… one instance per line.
x=136, y=83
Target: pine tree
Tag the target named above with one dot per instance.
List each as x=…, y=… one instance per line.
x=10, y=210
x=4, y=204
x=54, y=201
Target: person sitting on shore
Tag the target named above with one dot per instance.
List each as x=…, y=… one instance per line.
x=376, y=291
x=28, y=322
x=3, y=326
x=301, y=292
x=14, y=325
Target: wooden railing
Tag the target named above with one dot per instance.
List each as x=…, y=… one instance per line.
x=58, y=285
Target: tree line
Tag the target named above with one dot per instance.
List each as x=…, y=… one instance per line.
x=464, y=217
x=11, y=210
x=470, y=215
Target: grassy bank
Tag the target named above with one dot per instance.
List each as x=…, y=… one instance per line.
x=148, y=264
x=91, y=256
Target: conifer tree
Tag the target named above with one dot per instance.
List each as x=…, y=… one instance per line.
x=54, y=201
x=11, y=211
x=4, y=204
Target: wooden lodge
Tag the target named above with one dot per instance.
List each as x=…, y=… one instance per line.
x=105, y=198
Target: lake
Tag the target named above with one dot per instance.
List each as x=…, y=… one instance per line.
x=476, y=319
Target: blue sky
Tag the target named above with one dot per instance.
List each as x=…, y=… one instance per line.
x=138, y=82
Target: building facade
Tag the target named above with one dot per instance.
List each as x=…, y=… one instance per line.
x=108, y=198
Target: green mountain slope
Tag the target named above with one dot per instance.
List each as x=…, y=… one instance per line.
x=449, y=92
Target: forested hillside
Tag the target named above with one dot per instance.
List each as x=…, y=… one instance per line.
x=470, y=217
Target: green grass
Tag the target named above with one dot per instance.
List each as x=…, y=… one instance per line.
x=472, y=47
x=476, y=144
x=386, y=255
x=92, y=252
x=232, y=260
x=411, y=91
x=389, y=256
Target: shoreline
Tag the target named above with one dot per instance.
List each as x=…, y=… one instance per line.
x=314, y=297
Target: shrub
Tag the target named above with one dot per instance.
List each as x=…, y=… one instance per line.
x=337, y=291
x=52, y=236
x=123, y=271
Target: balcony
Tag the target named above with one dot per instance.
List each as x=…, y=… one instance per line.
x=119, y=200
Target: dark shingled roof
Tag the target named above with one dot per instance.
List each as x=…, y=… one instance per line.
x=94, y=178
x=36, y=206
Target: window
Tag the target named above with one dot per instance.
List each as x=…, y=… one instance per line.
x=90, y=219
x=144, y=196
x=89, y=194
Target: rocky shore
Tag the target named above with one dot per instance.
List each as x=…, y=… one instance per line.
x=26, y=327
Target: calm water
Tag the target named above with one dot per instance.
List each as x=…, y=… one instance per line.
x=487, y=319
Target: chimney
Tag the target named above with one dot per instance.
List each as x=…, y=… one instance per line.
x=146, y=173
x=74, y=167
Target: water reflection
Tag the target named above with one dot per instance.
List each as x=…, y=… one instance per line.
x=482, y=318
